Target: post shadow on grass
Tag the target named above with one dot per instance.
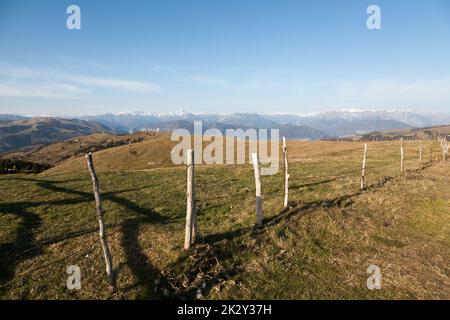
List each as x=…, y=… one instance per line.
x=341, y=201
x=215, y=249
x=111, y=196
x=83, y=197
x=185, y=270
x=144, y=272
x=312, y=184
x=24, y=246
x=48, y=181
x=137, y=261
x=24, y=240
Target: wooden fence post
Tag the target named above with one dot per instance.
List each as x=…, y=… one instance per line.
x=259, y=214
x=191, y=212
x=420, y=155
x=445, y=147
x=431, y=151
x=98, y=205
x=286, y=174
x=402, y=156
x=194, y=206
x=363, y=171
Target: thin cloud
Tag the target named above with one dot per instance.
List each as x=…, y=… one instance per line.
x=38, y=76
x=58, y=91
x=135, y=86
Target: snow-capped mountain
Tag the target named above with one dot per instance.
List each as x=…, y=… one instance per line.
x=338, y=122
x=350, y=122
x=331, y=123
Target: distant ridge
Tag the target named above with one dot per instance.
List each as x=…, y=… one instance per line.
x=413, y=133
x=334, y=123
x=25, y=132
x=313, y=126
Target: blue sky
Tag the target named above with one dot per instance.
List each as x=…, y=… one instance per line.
x=223, y=56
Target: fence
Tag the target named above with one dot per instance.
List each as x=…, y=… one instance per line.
x=192, y=227
x=258, y=179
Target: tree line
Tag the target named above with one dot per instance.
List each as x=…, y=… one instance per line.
x=21, y=166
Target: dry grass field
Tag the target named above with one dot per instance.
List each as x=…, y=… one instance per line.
x=318, y=248
x=412, y=133
x=55, y=153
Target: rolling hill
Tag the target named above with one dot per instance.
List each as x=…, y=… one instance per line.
x=152, y=152
x=60, y=151
x=412, y=133
x=37, y=131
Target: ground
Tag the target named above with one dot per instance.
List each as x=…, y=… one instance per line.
x=318, y=248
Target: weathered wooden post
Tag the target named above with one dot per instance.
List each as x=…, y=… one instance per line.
x=363, y=171
x=101, y=223
x=431, y=151
x=191, y=214
x=286, y=174
x=420, y=155
x=402, y=156
x=445, y=147
x=259, y=214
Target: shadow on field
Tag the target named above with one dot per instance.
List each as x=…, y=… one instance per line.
x=25, y=246
x=206, y=265
x=137, y=261
x=312, y=184
x=218, y=259
x=213, y=260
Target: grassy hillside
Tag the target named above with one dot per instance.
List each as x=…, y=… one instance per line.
x=76, y=147
x=412, y=133
x=319, y=248
x=155, y=152
x=37, y=131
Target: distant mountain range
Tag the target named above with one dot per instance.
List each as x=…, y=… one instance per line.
x=18, y=131
x=331, y=123
x=132, y=122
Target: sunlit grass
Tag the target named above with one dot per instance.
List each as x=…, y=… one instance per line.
x=319, y=248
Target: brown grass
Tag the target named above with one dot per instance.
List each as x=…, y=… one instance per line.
x=319, y=248
x=57, y=152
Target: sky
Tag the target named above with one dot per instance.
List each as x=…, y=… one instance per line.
x=266, y=56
